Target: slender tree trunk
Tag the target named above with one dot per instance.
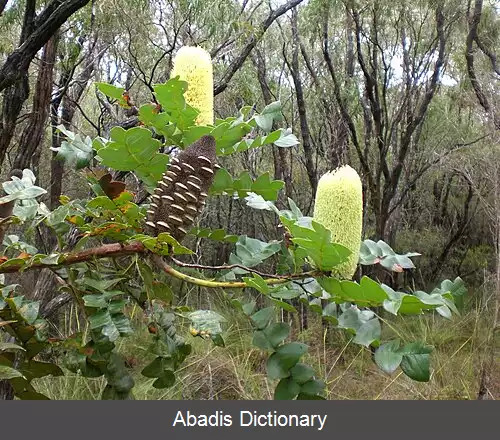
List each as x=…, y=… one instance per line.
x=490, y=367
x=34, y=130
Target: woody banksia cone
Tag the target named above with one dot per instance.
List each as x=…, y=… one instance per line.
x=339, y=208
x=194, y=65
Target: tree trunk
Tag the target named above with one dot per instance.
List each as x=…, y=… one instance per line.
x=35, y=129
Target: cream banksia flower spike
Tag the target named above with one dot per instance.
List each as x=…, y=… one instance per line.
x=194, y=65
x=339, y=208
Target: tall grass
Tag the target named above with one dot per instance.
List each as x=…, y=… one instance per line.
x=237, y=371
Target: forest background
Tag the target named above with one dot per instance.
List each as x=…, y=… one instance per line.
x=406, y=94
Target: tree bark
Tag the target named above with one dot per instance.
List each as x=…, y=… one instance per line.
x=45, y=26
x=301, y=107
x=35, y=128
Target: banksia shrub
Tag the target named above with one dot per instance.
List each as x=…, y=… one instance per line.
x=339, y=208
x=194, y=65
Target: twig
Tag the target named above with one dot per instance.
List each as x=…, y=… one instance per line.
x=228, y=267
x=224, y=284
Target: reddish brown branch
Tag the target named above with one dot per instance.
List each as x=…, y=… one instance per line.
x=105, y=251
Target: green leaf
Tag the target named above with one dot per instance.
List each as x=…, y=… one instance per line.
x=9, y=373
x=285, y=293
x=21, y=189
x=290, y=353
x=218, y=340
x=313, y=387
x=165, y=381
x=157, y=367
x=368, y=333
x=266, y=187
x=112, y=91
x=387, y=356
x=286, y=140
x=162, y=291
x=457, y=289
x=416, y=361
x=287, y=389
x=263, y=186
x=29, y=311
x=111, y=326
x=102, y=286
x=276, y=333
x=206, y=320
x=257, y=282
x=36, y=369
x=258, y=202
x=263, y=317
x=75, y=151
x=261, y=341
x=302, y=373
x=270, y=113
x=276, y=368
x=214, y=234
x=249, y=307
x=381, y=253
x=316, y=241
x=8, y=346
x=284, y=305
x=134, y=150
x=250, y=252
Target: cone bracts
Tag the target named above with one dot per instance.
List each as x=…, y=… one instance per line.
x=180, y=196
x=339, y=208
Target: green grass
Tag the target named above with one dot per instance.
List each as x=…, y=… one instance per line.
x=237, y=371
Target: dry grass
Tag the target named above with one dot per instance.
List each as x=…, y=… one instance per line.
x=237, y=371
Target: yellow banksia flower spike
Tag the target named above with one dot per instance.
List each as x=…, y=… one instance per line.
x=194, y=65
x=339, y=208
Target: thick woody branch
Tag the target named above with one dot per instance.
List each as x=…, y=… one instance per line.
x=105, y=251
x=118, y=250
x=46, y=25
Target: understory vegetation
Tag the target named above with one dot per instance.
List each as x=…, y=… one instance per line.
x=249, y=200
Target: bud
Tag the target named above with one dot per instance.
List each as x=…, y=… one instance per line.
x=339, y=208
x=194, y=65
